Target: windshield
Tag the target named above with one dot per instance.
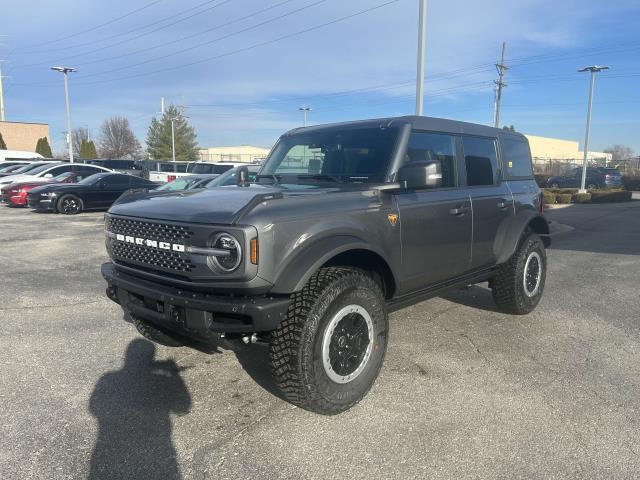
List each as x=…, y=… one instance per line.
x=202, y=168
x=181, y=183
x=91, y=179
x=39, y=169
x=11, y=168
x=229, y=177
x=353, y=155
x=63, y=176
x=27, y=168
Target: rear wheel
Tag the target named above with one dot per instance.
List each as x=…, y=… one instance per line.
x=592, y=186
x=518, y=285
x=69, y=205
x=328, y=351
x=555, y=185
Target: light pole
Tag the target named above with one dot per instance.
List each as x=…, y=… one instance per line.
x=593, y=71
x=422, y=21
x=173, y=140
x=65, y=71
x=305, y=111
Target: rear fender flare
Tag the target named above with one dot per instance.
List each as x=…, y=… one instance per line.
x=510, y=233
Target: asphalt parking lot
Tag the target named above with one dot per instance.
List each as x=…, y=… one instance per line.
x=465, y=392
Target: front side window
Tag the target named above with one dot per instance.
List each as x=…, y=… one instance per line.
x=116, y=181
x=481, y=160
x=516, y=157
x=351, y=156
x=425, y=147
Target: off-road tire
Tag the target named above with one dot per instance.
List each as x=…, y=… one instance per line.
x=60, y=208
x=507, y=285
x=154, y=334
x=296, y=346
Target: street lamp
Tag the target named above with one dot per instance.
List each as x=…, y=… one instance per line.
x=305, y=110
x=595, y=69
x=65, y=71
x=422, y=21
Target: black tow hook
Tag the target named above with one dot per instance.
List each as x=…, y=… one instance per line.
x=112, y=293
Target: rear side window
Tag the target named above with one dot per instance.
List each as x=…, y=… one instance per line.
x=516, y=158
x=117, y=181
x=481, y=160
x=424, y=147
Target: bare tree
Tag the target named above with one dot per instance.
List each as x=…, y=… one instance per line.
x=79, y=135
x=620, y=153
x=117, y=140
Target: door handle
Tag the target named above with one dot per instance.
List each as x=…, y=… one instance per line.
x=459, y=210
x=502, y=204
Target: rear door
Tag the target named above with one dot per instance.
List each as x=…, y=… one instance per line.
x=491, y=198
x=435, y=223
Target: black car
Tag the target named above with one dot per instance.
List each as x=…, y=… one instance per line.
x=93, y=193
x=597, y=177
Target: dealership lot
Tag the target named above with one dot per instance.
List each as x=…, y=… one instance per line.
x=465, y=392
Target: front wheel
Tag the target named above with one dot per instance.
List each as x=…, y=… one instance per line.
x=326, y=354
x=69, y=205
x=519, y=283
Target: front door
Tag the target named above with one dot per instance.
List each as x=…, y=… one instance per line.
x=436, y=224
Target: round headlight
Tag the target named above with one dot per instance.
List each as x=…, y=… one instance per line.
x=225, y=241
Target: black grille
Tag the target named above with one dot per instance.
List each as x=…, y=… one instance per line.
x=142, y=229
x=151, y=256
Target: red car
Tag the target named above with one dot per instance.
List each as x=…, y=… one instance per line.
x=15, y=194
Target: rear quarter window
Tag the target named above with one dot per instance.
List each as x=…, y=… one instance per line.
x=516, y=158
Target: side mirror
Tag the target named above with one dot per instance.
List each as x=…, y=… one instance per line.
x=242, y=177
x=101, y=184
x=418, y=175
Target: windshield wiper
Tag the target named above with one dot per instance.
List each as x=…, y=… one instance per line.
x=321, y=176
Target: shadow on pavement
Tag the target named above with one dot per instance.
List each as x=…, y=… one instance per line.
x=133, y=407
x=255, y=361
x=475, y=296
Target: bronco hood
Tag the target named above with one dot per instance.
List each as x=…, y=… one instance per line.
x=223, y=205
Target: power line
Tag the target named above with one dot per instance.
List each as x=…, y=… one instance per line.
x=140, y=35
x=250, y=47
x=217, y=27
x=95, y=27
x=209, y=42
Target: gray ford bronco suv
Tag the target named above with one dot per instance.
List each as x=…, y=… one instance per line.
x=344, y=224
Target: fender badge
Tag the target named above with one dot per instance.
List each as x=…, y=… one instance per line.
x=393, y=219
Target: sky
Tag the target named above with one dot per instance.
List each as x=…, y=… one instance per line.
x=243, y=68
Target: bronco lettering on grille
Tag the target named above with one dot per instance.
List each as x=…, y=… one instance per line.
x=146, y=242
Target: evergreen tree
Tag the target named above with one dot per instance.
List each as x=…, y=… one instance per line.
x=3, y=146
x=88, y=150
x=159, y=137
x=43, y=147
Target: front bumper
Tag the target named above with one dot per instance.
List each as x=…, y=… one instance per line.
x=190, y=314
x=40, y=203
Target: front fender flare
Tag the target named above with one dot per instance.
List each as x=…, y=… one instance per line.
x=304, y=263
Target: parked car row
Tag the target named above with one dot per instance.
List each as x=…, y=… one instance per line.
x=72, y=188
x=597, y=177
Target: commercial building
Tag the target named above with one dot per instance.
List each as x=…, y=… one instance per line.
x=240, y=153
x=546, y=150
x=23, y=135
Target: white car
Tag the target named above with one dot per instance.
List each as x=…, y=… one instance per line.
x=18, y=154
x=43, y=171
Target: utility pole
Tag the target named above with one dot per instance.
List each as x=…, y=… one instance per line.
x=422, y=24
x=162, y=105
x=173, y=140
x=501, y=67
x=595, y=69
x=65, y=71
x=1, y=94
x=305, y=111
